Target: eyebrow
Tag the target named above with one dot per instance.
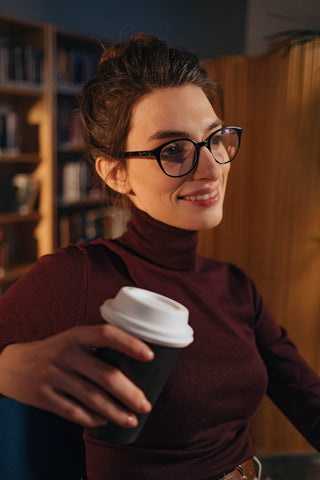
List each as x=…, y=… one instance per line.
x=164, y=134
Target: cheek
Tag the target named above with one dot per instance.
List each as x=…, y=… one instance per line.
x=225, y=172
x=227, y=167
x=148, y=181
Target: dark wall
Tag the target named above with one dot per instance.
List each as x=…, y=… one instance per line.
x=208, y=28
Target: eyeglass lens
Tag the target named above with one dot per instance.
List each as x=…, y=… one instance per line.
x=178, y=158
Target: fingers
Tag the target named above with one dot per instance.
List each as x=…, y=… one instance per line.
x=111, y=380
x=98, y=386
x=79, y=400
x=60, y=374
x=83, y=402
x=105, y=335
x=71, y=409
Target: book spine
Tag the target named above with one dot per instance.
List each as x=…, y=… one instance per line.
x=71, y=182
x=69, y=135
x=84, y=226
x=27, y=192
x=12, y=133
x=75, y=66
x=9, y=131
x=108, y=222
x=20, y=63
x=76, y=182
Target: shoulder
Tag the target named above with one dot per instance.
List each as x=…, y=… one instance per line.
x=58, y=276
x=227, y=270
x=231, y=282
x=74, y=256
x=63, y=257
x=49, y=298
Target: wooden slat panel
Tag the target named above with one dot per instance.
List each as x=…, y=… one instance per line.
x=272, y=206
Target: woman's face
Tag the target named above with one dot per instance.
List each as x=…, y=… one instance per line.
x=194, y=201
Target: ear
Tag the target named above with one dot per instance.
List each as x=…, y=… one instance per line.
x=113, y=174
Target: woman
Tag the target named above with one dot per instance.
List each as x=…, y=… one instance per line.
x=150, y=119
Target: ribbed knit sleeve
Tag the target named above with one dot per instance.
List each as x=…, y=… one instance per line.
x=292, y=384
x=50, y=298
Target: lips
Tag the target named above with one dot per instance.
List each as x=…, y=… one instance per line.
x=204, y=196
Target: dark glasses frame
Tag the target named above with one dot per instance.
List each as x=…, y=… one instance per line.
x=206, y=143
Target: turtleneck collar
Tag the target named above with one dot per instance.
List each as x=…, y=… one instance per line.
x=162, y=244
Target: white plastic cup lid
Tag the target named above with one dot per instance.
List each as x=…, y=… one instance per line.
x=152, y=317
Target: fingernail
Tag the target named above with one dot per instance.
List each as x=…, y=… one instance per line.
x=132, y=421
x=146, y=406
x=148, y=353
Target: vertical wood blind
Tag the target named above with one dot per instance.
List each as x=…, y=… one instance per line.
x=271, y=225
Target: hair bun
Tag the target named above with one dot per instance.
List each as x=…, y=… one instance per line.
x=144, y=39
x=109, y=53
x=114, y=51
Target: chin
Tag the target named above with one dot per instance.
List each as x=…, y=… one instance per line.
x=204, y=222
x=212, y=222
x=209, y=225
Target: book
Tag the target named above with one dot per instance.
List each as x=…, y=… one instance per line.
x=81, y=226
x=76, y=182
x=20, y=63
x=75, y=66
x=69, y=137
x=27, y=192
x=115, y=221
x=8, y=194
x=9, y=131
x=88, y=225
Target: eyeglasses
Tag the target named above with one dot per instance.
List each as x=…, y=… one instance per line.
x=179, y=157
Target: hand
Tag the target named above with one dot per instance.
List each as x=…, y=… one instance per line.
x=61, y=374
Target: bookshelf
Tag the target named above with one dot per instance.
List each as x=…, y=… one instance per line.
x=81, y=210
x=42, y=70
x=26, y=187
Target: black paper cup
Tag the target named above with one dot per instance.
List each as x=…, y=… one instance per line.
x=165, y=328
x=150, y=377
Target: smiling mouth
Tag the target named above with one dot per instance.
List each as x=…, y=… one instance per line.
x=206, y=196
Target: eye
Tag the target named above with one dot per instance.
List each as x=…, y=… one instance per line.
x=172, y=149
x=173, y=152
x=216, y=139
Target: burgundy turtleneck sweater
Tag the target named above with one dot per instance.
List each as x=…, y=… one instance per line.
x=199, y=426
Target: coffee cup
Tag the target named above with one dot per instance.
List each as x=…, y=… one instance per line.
x=160, y=322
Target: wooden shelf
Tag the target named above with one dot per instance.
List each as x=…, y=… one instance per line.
x=21, y=88
x=82, y=203
x=15, y=272
x=12, y=218
x=20, y=158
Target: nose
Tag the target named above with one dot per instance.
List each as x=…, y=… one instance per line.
x=207, y=167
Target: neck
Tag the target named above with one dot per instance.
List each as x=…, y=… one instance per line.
x=168, y=246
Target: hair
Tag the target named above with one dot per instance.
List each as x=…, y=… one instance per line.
x=126, y=72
